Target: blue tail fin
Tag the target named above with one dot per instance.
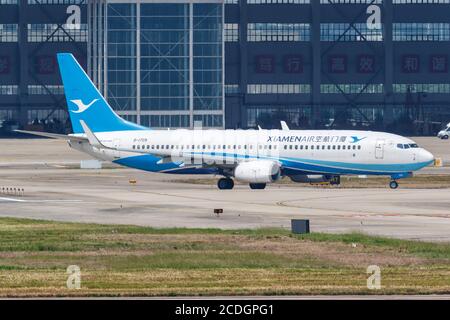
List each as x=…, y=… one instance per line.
x=85, y=102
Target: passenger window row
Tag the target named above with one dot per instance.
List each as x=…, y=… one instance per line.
x=249, y=147
x=196, y=147
x=323, y=147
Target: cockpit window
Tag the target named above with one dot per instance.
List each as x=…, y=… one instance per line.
x=407, y=146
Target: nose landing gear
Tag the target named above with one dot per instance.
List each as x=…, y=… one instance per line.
x=393, y=184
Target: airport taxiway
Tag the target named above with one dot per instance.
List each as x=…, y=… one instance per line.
x=56, y=191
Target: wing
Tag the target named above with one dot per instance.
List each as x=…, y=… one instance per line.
x=206, y=160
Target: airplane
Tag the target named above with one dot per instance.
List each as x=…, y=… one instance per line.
x=257, y=157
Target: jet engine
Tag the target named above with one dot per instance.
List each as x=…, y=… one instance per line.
x=260, y=171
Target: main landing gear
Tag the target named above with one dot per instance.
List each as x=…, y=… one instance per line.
x=228, y=184
x=225, y=184
x=257, y=186
x=393, y=184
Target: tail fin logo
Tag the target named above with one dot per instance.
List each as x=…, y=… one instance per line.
x=81, y=106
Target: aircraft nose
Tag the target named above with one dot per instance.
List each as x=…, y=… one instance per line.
x=426, y=156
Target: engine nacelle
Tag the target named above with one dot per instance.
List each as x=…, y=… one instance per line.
x=312, y=178
x=260, y=171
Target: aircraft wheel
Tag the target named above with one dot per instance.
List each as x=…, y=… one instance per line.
x=257, y=186
x=225, y=184
x=393, y=184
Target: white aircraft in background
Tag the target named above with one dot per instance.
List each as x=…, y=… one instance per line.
x=444, y=133
x=257, y=157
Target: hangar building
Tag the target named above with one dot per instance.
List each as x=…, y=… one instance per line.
x=363, y=64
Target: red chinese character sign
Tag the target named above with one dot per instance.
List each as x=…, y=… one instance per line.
x=293, y=64
x=4, y=65
x=410, y=63
x=439, y=63
x=366, y=63
x=45, y=64
x=265, y=64
x=337, y=64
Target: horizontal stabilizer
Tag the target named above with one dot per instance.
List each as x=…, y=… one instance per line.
x=53, y=135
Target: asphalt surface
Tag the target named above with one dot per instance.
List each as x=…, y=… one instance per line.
x=54, y=190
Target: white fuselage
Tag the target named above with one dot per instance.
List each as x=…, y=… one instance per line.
x=297, y=151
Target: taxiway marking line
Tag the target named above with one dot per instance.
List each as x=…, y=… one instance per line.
x=37, y=201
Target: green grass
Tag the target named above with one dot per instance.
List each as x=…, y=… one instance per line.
x=131, y=260
x=419, y=248
x=72, y=237
x=59, y=236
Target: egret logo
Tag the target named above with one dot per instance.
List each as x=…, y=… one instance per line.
x=81, y=106
x=356, y=139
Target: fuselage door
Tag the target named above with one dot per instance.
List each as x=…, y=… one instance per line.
x=116, y=145
x=379, y=149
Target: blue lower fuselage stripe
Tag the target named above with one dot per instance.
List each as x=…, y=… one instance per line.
x=290, y=166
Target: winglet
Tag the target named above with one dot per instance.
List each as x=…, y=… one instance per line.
x=91, y=136
x=284, y=126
